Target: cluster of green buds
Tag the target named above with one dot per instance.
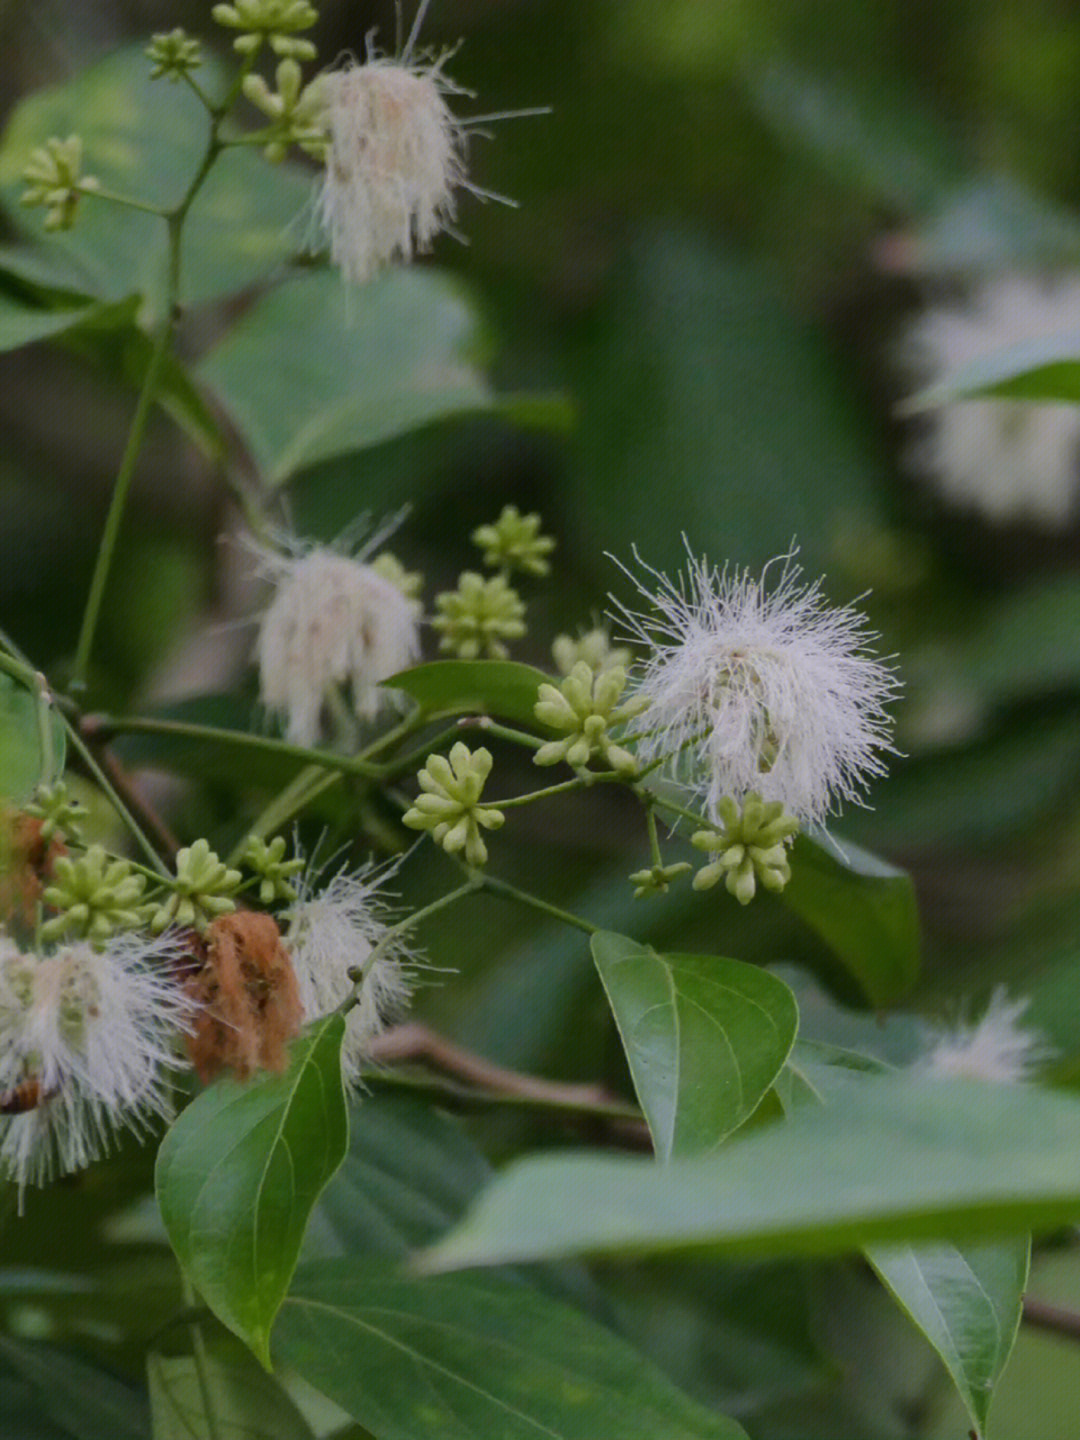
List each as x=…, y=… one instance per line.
x=175, y=54
x=58, y=812
x=657, y=879
x=95, y=895
x=268, y=863
x=409, y=582
x=295, y=111
x=751, y=848
x=202, y=890
x=585, y=707
x=514, y=542
x=479, y=616
x=276, y=21
x=449, y=807
x=53, y=178
x=594, y=647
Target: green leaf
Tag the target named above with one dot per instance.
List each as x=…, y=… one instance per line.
x=1046, y=368
x=239, y=1173
x=704, y=1038
x=786, y=454
x=474, y=1358
x=22, y=324
x=247, y=1403
x=85, y=1401
x=22, y=765
x=897, y=1159
x=409, y=1175
x=312, y=371
x=967, y=1303
x=473, y=687
x=863, y=908
x=146, y=140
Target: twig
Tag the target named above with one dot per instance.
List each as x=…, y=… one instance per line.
x=121, y=782
x=416, y=1044
x=1041, y=1315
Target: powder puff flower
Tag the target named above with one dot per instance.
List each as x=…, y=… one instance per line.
x=996, y=1047
x=87, y=1042
x=333, y=930
x=396, y=157
x=1011, y=459
x=332, y=620
x=755, y=691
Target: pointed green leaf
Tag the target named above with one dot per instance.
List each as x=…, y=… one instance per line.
x=966, y=1302
x=85, y=1401
x=239, y=1173
x=704, y=1038
x=863, y=908
x=473, y=687
x=895, y=1159
x=247, y=1403
x=474, y=1358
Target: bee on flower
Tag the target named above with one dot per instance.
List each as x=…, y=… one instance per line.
x=758, y=689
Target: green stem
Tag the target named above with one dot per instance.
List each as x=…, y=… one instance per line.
x=105, y=784
x=505, y=732
x=194, y=85
x=311, y=781
x=447, y=1089
x=522, y=897
x=360, y=972
x=108, y=725
x=45, y=729
x=128, y=201
x=198, y=1349
x=18, y=670
x=654, y=838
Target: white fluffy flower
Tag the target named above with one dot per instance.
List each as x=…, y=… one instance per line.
x=1011, y=459
x=333, y=930
x=333, y=620
x=753, y=690
x=89, y=1037
x=996, y=1047
x=396, y=157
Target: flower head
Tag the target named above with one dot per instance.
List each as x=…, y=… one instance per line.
x=1011, y=459
x=87, y=1041
x=335, y=930
x=995, y=1047
x=333, y=620
x=770, y=692
x=396, y=158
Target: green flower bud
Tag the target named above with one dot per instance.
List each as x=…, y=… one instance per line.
x=750, y=850
x=97, y=896
x=275, y=872
x=175, y=54
x=584, y=706
x=514, y=542
x=478, y=616
x=409, y=582
x=449, y=807
x=273, y=20
x=57, y=810
x=54, y=181
x=295, y=111
x=594, y=648
x=657, y=880
x=200, y=893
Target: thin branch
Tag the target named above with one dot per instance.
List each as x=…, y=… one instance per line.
x=1041, y=1315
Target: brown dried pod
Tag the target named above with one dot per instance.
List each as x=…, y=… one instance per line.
x=249, y=1003
x=26, y=865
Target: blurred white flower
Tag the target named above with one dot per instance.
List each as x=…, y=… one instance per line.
x=87, y=1043
x=332, y=620
x=333, y=930
x=755, y=690
x=1010, y=459
x=995, y=1047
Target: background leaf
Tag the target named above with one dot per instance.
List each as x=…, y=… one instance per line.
x=964, y=1161
x=81, y=1399
x=473, y=687
x=471, y=1358
x=238, y=1174
x=21, y=760
x=248, y=1403
x=704, y=1038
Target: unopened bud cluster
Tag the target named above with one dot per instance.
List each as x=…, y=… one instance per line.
x=750, y=849
x=514, y=542
x=450, y=805
x=202, y=889
x=276, y=21
x=586, y=707
x=54, y=180
x=175, y=54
